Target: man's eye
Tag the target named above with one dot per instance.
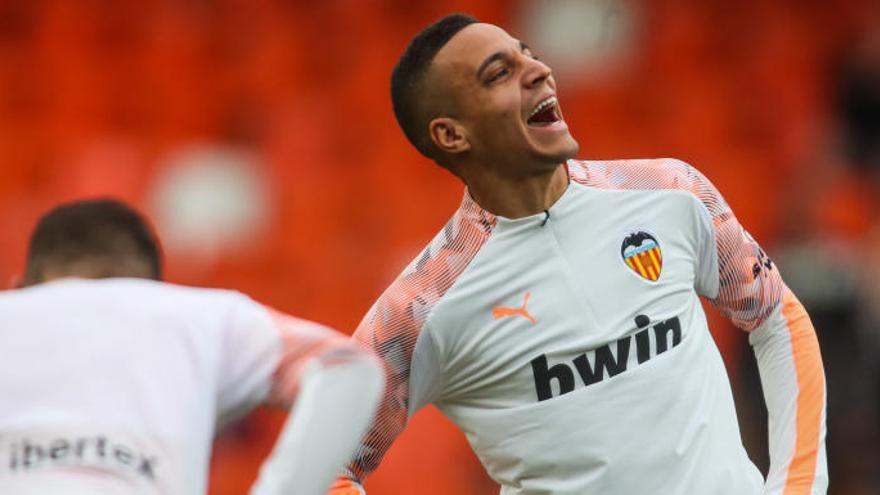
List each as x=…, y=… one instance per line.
x=498, y=75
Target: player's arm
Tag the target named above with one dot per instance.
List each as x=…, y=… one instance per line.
x=334, y=386
x=393, y=329
x=331, y=384
x=744, y=284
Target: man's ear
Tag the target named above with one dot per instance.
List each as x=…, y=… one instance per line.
x=449, y=135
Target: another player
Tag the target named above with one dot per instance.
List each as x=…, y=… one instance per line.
x=114, y=383
x=556, y=318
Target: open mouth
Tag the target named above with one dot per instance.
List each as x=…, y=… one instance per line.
x=545, y=113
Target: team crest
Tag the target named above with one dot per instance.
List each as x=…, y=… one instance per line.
x=642, y=254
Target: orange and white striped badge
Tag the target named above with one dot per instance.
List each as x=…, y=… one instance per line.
x=642, y=254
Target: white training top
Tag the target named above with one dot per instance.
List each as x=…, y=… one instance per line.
x=571, y=347
x=116, y=386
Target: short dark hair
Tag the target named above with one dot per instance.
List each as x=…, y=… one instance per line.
x=408, y=77
x=107, y=236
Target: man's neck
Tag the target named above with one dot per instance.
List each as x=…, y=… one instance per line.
x=517, y=197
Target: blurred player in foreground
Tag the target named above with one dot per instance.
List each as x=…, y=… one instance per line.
x=556, y=318
x=114, y=383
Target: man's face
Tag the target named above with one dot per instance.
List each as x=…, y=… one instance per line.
x=505, y=99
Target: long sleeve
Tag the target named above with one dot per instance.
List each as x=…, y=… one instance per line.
x=397, y=330
x=744, y=284
x=388, y=331
x=794, y=388
x=330, y=385
x=338, y=392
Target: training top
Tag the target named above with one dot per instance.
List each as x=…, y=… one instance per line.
x=572, y=350
x=117, y=386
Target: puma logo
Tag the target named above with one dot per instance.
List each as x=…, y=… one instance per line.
x=501, y=311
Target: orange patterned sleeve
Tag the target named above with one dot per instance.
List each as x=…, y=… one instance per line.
x=743, y=283
x=738, y=277
x=302, y=341
x=394, y=324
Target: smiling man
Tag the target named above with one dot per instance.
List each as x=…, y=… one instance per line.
x=556, y=318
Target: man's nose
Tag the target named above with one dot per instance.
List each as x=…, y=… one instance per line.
x=536, y=72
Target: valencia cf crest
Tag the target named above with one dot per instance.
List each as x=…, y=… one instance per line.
x=641, y=253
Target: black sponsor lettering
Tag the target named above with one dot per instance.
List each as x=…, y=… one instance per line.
x=122, y=454
x=31, y=454
x=543, y=375
x=147, y=467
x=643, y=340
x=80, y=447
x=661, y=331
x=59, y=449
x=27, y=454
x=100, y=445
x=643, y=346
x=605, y=360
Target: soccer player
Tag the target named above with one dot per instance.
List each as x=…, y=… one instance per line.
x=556, y=318
x=114, y=382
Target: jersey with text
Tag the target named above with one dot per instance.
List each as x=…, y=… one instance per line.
x=571, y=346
x=117, y=386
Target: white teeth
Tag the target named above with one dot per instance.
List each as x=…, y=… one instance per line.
x=543, y=105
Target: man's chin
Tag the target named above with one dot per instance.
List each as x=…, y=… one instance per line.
x=559, y=153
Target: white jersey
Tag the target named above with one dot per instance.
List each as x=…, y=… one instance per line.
x=116, y=386
x=572, y=350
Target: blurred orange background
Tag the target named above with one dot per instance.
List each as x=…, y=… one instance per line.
x=258, y=134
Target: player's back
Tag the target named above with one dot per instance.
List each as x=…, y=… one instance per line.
x=115, y=385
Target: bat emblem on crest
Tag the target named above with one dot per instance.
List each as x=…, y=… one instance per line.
x=642, y=254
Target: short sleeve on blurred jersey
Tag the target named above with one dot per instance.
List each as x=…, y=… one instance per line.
x=250, y=355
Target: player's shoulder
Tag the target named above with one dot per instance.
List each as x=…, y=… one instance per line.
x=193, y=301
x=647, y=173
x=167, y=291
x=669, y=175
x=133, y=294
x=411, y=297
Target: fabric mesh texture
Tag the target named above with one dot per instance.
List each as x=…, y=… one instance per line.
x=750, y=286
x=393, y=324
